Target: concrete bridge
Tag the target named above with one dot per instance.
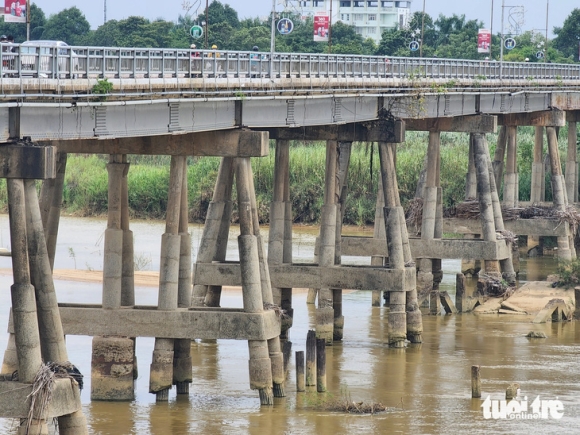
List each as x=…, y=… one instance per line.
x=228, y=104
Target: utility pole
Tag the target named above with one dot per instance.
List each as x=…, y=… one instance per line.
x=273, y=29
x=547, y=11
x=422, y=31
x=491, y=32
x=206, y=22
x=28, y=20
x=502, y=42
x=330, y=28
x=105, y=13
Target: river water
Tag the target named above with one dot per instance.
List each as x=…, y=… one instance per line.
x=426, y=388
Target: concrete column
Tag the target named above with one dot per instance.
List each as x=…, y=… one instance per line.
x=261, y=378
x=128, y=267
x=472, y=265
x=558, y=190
x=425, y=269
x=499, y=157
x=52, y=342
x=274, y=347
x=344, y=149
x=24, y=315
x=510, y=188
x=379, y=234
x=113, y=358
x=485, y=202
x=182, y=366
x=113, y=251
x=215, y=232
x=278, y=239
x=572, y=164
x=397, y=317
x=507, y=265
x=10, y=361
x=327, y=245
x=50, y=205
x=470, y=178
x=538, y=178
x=161, y=377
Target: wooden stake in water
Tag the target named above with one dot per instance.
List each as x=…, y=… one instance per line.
x=320, y=365
x=300, y=371
x=475, y=382
x=311, y=358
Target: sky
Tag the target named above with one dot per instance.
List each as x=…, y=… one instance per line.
x=534, y=10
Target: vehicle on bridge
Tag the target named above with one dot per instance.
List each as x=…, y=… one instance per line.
x=45, y=57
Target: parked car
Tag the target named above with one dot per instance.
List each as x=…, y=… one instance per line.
x=46, y=58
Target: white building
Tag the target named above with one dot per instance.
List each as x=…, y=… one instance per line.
x=370, y=18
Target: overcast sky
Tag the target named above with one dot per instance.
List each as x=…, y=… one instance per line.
x=534, y=18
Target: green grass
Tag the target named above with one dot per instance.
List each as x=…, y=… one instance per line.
x=85, y=190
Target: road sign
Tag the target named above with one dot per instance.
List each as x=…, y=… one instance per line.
x=540, y=54
x=414, y=46
x=285, y=26
x=509, y=43
x=196, y=31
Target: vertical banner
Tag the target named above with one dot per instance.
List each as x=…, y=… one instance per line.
x=321, y=21
x=15, y=11
x=483, y=40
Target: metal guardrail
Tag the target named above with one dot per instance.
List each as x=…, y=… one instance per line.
x=115, y=62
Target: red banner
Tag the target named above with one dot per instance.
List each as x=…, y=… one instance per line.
x=321, y=21
x=483, y=41
x=15, y=11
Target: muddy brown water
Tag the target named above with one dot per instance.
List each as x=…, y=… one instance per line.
x=426, y=388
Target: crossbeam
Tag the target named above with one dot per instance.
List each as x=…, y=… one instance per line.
x=148, y=321
x=312, y=275
x=544, y=118
x=371, y=131
x=218, y=143
x=466, y=124
x=537, y=227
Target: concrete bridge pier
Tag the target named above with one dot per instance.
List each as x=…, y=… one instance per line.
x=161, y=373
x=253, y=291
x=182, y=365
x=280, y=236
x=572, y=117
x=36, y=324
x=404, y=318
x=472, y=266
x=344, y=152
x=510, y=182
x=113, y=358
x=327, y=247
x=425, y=275
x=274, y=347
x=491, y=267
x=379, y=234
x=51, y=203
x=214, y=239
x=565, y=243
x=538, y=184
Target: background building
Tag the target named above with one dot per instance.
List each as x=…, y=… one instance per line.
x=370, y=18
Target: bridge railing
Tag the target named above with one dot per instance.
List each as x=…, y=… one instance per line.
x=118, y=62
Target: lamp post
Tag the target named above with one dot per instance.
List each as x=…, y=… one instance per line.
x=422, y=31
x=547, y=10
x=502, y=41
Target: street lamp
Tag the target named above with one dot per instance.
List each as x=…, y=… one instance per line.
x=547, y=10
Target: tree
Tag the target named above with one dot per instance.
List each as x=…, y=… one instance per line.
x=568, y=36
x=18, y=30
x=69, y=25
